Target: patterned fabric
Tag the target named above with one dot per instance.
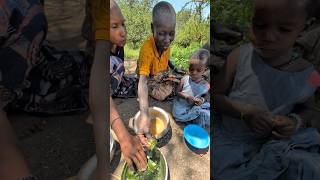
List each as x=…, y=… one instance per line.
x=57, y=85
x=23, y=27
x=162, y=85
x=35, y=77
x=121, y=85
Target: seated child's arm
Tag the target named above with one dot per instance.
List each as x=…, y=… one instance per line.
x=223, y=83
x=185, y=96
x=179, y=89
x=258, y=120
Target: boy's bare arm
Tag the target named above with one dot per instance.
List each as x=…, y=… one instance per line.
x=98, y=103
x=257, y=119
x=144, y=103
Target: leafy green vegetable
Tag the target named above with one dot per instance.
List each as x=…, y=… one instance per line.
x=153, y=168
x=130, y=175
x=152, y=143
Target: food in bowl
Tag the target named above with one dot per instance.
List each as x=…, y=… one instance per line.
x=158, y=129
x=157, y=126
x=156, y=169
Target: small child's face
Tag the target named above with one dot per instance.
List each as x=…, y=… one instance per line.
x=276, y=25
x=118, y=32
x=164, y=34
x=196, y=71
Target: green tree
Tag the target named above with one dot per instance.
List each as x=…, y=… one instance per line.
x=192, y=25
x=138, y=18
x=233, y=12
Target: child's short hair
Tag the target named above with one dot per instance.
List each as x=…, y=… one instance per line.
x=202, y=55
x=160, y=9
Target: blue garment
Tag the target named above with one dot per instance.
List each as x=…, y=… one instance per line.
x=184, y=111
x=241, y=154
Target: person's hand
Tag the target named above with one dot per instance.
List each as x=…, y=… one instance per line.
x=143, y=130
x=283, y=126
x=191, y=99
x=258, y=120
x=198, y=101
x=144, y=137
x=133, y=153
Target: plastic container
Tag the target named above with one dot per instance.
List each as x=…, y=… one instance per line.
x=196, y=136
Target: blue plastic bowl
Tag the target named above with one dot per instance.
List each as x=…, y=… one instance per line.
x=196, y=136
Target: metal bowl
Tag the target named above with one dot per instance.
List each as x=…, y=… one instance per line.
x=153, y=112
x=164, y=168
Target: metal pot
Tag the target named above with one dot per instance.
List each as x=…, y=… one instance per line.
x=153, y=112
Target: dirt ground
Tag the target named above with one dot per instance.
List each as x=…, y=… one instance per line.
x=67, y=142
